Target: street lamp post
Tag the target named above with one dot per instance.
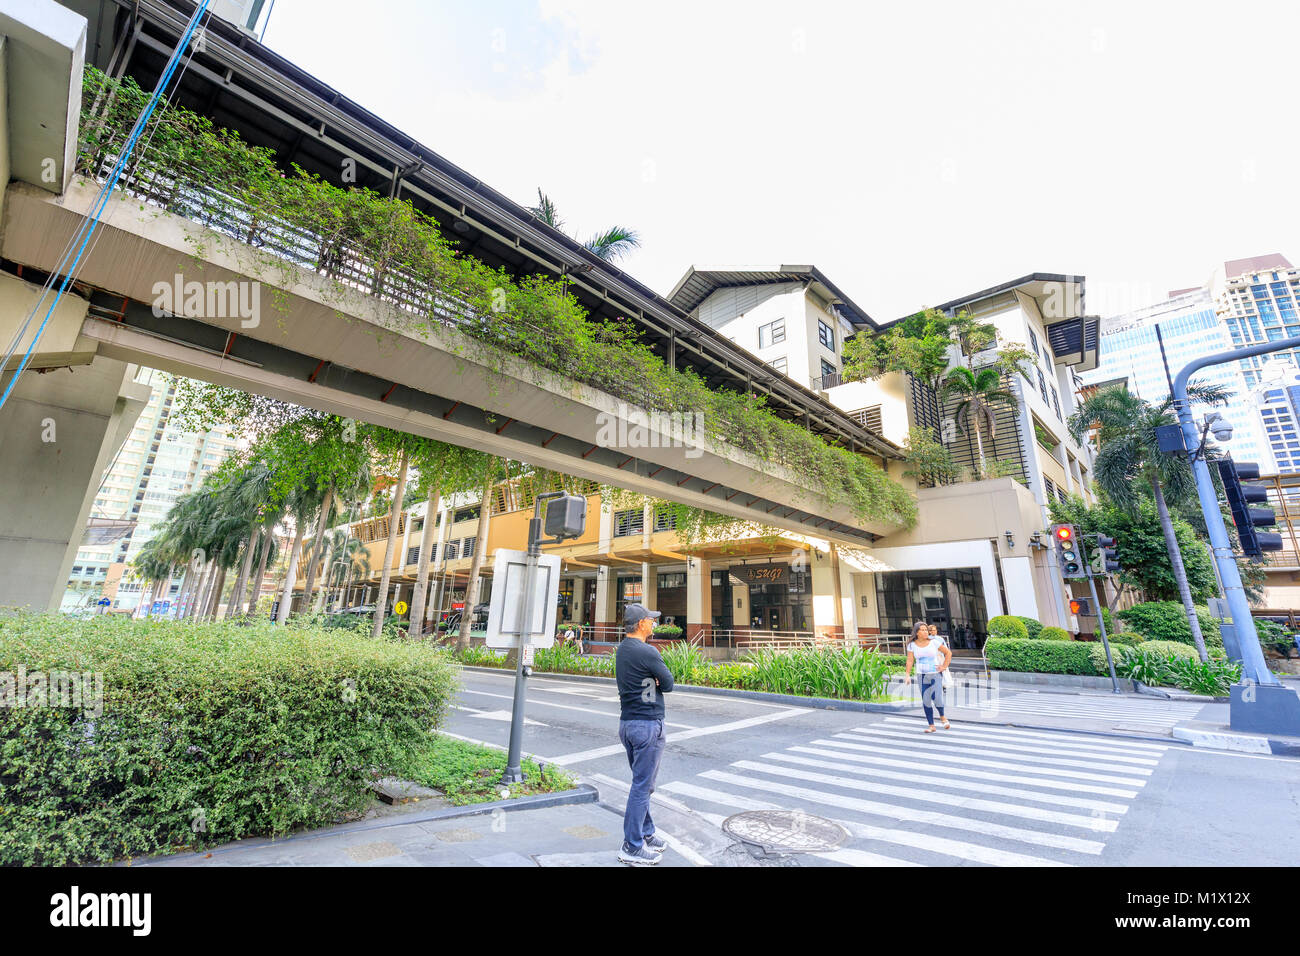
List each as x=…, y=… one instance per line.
x=1260, y=703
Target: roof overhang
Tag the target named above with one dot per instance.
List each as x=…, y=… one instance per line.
x=700, y=282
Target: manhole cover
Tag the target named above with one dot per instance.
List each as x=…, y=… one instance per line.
x=785, y=831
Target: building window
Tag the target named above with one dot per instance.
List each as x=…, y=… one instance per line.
x=1056, y=403
x=413, y=555
x=467, y=547
x=665, y=519
x=827, y=369
x=673, y=580
x=779, y=364
x=629, y=522
x=771, y=334
x=825, y=335
x=451, y=550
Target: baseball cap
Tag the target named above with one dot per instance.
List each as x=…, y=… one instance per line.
x=634, y=613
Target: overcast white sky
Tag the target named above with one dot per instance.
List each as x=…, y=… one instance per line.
x=913, y=151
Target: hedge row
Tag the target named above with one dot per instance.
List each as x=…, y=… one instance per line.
x=1046, y=657
x=204, y=733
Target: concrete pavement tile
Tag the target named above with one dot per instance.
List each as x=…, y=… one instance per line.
x=505, y=859
x=586, y=831
x=376, y=850
x=459, y=835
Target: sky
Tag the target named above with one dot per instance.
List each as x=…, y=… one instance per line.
x=914, y=152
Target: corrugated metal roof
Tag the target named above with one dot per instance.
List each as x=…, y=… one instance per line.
x=700, y=282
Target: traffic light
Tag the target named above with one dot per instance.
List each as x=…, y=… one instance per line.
x=1247, y=519
x=1081, y=606
x=1105, y=561
x=1067, y=551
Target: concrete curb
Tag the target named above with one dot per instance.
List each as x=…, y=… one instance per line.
x=1203, y=734
x=816, y=703
x=582, y=793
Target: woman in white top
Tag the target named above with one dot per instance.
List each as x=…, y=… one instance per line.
x=930, y=656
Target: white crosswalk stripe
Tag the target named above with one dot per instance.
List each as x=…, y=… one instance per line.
x=990, y=795
x=1151, y=714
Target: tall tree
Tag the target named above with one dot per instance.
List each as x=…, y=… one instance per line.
x=491, y=471
x=980, y=394
x=609, y=244
x=1129, y=456
x=444, y=470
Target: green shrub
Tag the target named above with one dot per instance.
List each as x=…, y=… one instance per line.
x=1213, y=678
x=667, y=632
x=1054, y=634
x=854, y=673
x=1274, y=637
x=1171, y=648
x=685, y=662
x=734, y=675
x=207, y=732
x=1167, y=621
x=481, y=657
x=1008, y=627
x=1032, y=627
x=1044, y=657
x=1124, y=637
x=1141, y=664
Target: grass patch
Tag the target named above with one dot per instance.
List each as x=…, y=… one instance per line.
x=469, y=773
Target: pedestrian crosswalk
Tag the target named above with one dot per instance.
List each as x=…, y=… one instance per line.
x=974, y=794
x=1156, y=715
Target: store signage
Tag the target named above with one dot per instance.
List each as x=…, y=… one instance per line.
x=765, y=573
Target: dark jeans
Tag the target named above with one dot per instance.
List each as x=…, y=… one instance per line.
x=931, y=695
x=644, y=742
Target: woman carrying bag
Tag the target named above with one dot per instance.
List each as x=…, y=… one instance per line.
x=947, y=672
x=930, y=657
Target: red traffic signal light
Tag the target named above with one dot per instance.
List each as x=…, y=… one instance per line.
x=1064, y=532
x=1081, y=606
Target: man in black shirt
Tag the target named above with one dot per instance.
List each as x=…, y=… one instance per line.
x=643, y=679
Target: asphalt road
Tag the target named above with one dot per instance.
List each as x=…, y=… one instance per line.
x=1024, y=777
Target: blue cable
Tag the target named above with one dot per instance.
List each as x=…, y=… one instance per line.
x=101, y=201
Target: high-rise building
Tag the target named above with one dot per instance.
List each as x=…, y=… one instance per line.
x=154, y=467
x=1277, y=404
x=1189, y=328
x=1258, y=300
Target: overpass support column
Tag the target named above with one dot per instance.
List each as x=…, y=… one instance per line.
x=580, y=601
x=699, y=600
x=827, y=619
x=60, y=431
x=607, y=629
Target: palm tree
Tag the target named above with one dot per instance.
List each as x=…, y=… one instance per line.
x=614, y=243
x=981, y=393
x=394, y=522
x=480, y=552
x=1129, y=458
x=349, y=559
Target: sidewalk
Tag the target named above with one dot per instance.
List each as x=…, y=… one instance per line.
x=587, y=834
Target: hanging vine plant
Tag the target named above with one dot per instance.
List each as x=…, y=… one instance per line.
x=364, y=242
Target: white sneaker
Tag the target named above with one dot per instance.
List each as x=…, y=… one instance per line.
x=637, y=856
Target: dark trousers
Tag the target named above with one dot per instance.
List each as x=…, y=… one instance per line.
x=644, y=742
x=931, y=695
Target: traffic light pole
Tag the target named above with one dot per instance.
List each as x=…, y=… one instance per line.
x=1101, y=622
x=1281, y=710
